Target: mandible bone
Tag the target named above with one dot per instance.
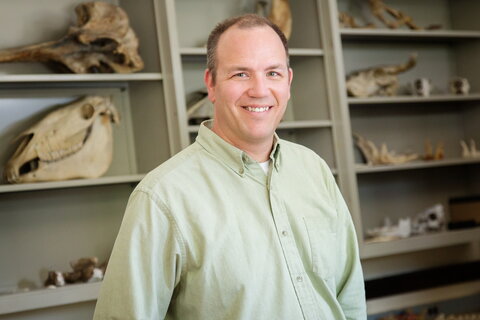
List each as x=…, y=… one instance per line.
x=74, y=141
x=101, y=42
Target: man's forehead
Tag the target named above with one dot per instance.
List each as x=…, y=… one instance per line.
x=234, y=38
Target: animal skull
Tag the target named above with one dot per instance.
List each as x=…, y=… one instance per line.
x=74, y=141
x=378, y=80
x=101, y=42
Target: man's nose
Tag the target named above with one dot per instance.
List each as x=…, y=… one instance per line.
x=258, y=87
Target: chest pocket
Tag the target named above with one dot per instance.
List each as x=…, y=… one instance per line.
x=323, y=245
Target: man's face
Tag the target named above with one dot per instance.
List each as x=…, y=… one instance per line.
x=252, y=86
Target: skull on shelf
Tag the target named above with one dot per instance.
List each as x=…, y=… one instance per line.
x=74, y=141
x=101, y=42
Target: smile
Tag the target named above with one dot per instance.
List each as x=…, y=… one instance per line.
x=257, y=109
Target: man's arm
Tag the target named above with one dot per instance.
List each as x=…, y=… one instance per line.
x=145, y=265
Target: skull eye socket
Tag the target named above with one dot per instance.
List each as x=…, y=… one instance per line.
x=29, y=166
x=104, y=43
x=87, y=111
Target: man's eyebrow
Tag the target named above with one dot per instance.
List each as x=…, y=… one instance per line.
x=243, y=68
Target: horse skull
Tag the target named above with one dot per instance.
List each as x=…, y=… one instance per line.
x=74, y=141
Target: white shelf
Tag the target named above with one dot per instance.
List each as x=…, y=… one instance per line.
x=9, y=78
x=70, y=183
x=408, y=34
x=292, y=52
x=44, y=298
x=303, y=124
x=417, y=243
x=407, y=300
x=363, y=168
x=415, y=99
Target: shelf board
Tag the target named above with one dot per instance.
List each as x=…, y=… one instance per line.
x=10, y=78
x=414, y=99
x=418, y=243
x=363, y=168
x=297, y=52
x=302, y=124
x=45, y=298
x=417, y=298
x=70, y=183
x=379, y=34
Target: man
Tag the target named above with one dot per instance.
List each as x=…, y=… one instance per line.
x=241, y=224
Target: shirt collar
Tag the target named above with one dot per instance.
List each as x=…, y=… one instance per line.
x=232, y=156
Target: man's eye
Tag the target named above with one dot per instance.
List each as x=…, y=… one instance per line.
x=273, y=74
x=241, y=75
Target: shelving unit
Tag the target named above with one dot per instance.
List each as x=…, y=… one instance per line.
x=389, y=34
x=361, y=168
x=404, y=122
x=46, y=298
x=46, y=225
x=417, y=298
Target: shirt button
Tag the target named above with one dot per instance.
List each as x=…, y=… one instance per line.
x=284, y=233
x=299, y=279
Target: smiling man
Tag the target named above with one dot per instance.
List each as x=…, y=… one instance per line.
x=241, y=224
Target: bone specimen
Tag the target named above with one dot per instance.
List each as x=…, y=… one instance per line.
x=422, y=87
x=200, y=108
x=430, y=155
x=74, y=141
x=347, y=21
x=281, y=15
x=377, y=81
x=101, y=42
x=459, y=85
x=469, y=151
x=378, y=8
x=373, y=156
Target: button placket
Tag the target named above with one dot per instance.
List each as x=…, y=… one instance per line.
x=291, y=255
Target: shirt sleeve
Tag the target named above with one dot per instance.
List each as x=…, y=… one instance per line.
x=145, y=264
x=349, y=280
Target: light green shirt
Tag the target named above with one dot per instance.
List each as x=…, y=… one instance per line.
x=207, y=235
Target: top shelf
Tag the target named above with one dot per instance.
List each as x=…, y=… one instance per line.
x=14, y=78
x=387, y=34
x=298, y=52
x=416, y=99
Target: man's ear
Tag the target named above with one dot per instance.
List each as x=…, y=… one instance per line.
x=208, y=79
x=290, y=76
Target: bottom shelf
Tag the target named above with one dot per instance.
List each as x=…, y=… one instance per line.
x=417, y=243
x=416, y=298
x=44, y=298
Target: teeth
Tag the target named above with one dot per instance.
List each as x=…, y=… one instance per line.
x=261, y=109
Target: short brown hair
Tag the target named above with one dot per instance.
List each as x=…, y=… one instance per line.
x=243, y=22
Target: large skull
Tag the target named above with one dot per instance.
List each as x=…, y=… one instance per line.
x=101, y=42
x=74, y=141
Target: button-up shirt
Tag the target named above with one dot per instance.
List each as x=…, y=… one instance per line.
x=209, y=235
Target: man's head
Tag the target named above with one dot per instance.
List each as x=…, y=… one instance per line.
x=243, y=22
x=248, y=80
